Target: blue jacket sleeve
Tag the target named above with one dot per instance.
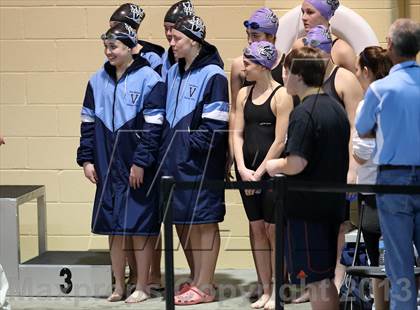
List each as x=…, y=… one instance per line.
x=153, y=114
x=366, y=118
x=155, y=61
x=212, y=128
x=87, y=128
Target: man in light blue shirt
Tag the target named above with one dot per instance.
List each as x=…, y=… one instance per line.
x=391, y=112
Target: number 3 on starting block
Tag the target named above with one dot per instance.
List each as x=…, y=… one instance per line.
x=66, y=288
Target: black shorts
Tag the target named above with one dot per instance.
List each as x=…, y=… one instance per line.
x=311, y=250
x=370, y=228
x=258, y=206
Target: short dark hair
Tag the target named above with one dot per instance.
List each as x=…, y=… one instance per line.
x=309, y=63
x=376, y=59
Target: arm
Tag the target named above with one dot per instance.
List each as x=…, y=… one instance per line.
x=351, y=93
x=85, y=152
x=300, y=145
x=236, y=82
x=366, y=120
x=343, y=55
x=146, y=152
x=238, y=139
x=87, y=128
x=291, y=165
x=362, y=148
x=283, y=106
x=153, y=112
x=238, y=130
x=359, y=160
x=213, y=124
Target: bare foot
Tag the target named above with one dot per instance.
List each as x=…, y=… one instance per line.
x=302, y=298
x=271, y=303
x=260, y=303
x=115, y=296
x=136, y=297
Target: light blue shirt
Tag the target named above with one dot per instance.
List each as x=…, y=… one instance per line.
x=392, y=110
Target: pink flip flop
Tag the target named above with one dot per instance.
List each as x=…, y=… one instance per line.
x=182, y=288
x=192, y=297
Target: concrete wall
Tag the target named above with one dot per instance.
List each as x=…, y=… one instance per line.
x=48, y=50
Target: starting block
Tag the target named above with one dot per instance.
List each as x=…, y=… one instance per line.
x=51, y=273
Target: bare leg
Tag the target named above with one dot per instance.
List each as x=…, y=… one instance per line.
x=143, y=248
x=381, y=294
x=208, y=251
x=131, y=261
x=340, y=270
x=323, y=295
x=118, y=257
x=196, y=249
x=262, y=256
x=183, y=231
x=255, y=292
x=271, y=234
x=155, y=273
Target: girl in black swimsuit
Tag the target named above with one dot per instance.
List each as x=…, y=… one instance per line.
x=260, y=126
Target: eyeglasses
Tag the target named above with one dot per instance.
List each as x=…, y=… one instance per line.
x=119, y=36
x=252, y=25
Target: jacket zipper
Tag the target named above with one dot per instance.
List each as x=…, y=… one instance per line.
x=176, y=103
x=113, y=107
x=115, y=95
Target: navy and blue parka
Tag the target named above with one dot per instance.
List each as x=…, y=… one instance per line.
x=195, y=135
x=121, y=126
x=168, y=60
x=153, y=53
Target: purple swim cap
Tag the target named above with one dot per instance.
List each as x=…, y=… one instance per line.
x=319, y=37
x=263, y=20
x=325, y=7
x=263, y=53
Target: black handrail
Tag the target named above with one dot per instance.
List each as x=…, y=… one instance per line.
x=304, y=186
x=281, y=186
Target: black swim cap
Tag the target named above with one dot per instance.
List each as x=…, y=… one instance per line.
x=193, y=27
x=121, y=32
x=130, y=14
x=179, y=10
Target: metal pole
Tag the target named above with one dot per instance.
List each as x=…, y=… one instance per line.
x=42, y=223
x=280, y=188
x=167, y=183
